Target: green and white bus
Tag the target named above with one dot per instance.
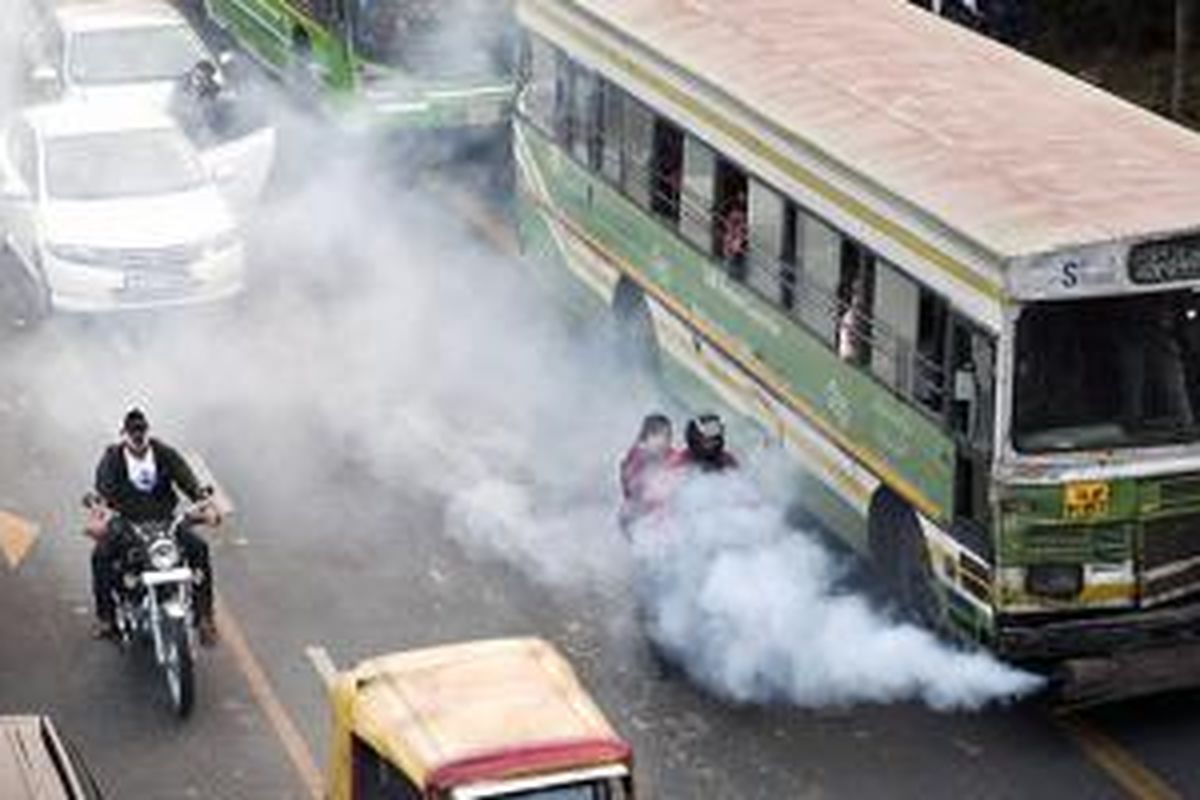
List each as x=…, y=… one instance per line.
x=384, y=65
x=962, y=287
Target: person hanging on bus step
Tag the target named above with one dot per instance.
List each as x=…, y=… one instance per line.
x=647, y=470
x=705, y=438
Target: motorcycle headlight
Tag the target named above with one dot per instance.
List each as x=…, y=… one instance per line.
x=1058, y=581
x=164, y=554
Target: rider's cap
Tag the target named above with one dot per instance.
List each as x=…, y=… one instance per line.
x=135, y=422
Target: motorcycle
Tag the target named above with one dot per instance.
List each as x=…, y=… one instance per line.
x=153, y=595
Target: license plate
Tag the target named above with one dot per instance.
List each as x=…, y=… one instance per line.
x=1086, y=500
x=136, y=281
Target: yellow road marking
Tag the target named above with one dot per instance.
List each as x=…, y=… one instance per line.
x=269, y=703
x=326, y=670
x=17, y=536
x=220, y=498
x=1118, y=763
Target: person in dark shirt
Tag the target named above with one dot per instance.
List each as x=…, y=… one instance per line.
x=138, y=480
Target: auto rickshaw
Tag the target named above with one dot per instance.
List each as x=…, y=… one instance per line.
x=504, y=718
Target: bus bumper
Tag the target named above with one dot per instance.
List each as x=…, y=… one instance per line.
x=1117, y=656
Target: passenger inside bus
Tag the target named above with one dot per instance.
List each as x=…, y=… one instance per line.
x=730, y=223
x=1108, y=373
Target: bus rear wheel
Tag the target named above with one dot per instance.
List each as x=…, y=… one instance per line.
x=901, y=558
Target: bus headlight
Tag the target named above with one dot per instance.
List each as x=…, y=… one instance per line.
x=164, y=554
x=1058, y=581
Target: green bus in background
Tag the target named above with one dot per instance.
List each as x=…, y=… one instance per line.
x=385, y=65
x=961, y=287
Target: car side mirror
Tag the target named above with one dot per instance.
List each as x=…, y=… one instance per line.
x=226, y=58
x=44, y=79
x=964, y=386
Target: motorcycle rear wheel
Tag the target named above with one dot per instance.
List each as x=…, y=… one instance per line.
x=178, y=667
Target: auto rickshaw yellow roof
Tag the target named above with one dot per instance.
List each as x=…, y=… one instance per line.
x=485, y=710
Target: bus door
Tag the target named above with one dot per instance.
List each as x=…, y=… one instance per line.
x=971, y=369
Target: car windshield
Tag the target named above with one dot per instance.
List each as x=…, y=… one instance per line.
x=1109, y=373
x=441, y=39
x=133, y=55
x=99, y=166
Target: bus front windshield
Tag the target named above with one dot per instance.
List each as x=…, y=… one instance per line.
x=441, y=39
x=1110, y=373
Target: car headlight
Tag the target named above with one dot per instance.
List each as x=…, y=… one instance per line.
x=164, y=554
x=80, y=254
x=1058, y=581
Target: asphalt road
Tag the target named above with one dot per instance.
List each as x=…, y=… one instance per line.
x=418, y=452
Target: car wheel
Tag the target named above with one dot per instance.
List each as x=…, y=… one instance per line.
x=24, y=301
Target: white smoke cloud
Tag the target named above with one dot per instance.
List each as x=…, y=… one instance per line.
x=756, y=612
x=378, y=329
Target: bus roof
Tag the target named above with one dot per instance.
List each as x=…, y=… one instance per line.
x=480, y=711
x=1010, y=154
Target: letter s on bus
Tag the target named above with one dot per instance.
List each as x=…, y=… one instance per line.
x=1070, y=275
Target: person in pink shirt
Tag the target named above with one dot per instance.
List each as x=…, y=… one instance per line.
x=646, y=470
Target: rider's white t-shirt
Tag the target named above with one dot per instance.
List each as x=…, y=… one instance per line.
x=143, y=472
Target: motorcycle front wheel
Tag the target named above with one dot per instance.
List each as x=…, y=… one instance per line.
x=177, y=665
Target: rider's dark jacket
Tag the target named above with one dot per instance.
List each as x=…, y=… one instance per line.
x=113, y=484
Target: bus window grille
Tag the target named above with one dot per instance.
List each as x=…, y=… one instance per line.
x=913, y=375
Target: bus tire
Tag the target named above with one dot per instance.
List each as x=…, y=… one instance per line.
x=901, y=558
x=636, y=341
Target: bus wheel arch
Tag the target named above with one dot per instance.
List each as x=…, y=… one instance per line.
x=900, y=556
x=634, y=322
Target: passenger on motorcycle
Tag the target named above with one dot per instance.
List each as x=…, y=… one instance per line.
x=137, y=479
x=647, y=471
x=705, y=438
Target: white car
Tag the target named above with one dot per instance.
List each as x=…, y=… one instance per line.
x=110, y=50
x=113, y=208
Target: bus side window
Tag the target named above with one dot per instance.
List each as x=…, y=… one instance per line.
x=929, y=372
x=583, y=114
x=639, y=146
x=855, y=293
x=564, y=83
x=765, y=252
x=667, y=176
x=819, y=268
x=699, y=169
x=537, y=95
x=896, y=315
x=375, y=778
x=730, y=224
x=611, y=126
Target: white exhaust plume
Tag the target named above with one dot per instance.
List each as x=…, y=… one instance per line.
x=755, y=611
x=376, y=331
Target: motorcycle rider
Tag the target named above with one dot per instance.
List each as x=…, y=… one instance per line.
x=137, y=479
x=705, y=439
x=197, y=105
